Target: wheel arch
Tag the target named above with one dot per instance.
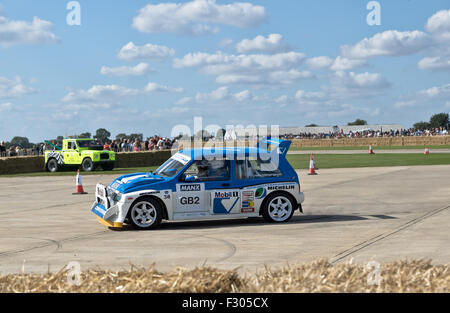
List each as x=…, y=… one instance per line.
x=274, y=194
x=48, y=160
x=161, y=203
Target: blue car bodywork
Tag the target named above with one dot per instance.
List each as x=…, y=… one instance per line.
x=206, y=183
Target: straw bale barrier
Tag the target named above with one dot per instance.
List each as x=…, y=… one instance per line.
x=418, y=276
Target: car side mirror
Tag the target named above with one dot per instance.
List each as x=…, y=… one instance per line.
x=189, y=179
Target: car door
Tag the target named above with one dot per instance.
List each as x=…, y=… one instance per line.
x=190, y=193
x=224, y=197
x=69, y=154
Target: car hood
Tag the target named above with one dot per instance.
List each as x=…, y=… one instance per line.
x=136, y=182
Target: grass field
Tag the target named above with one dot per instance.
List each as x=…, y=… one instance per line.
x=366, y=160
x=367, y=148
x=117, y=171
x=301, y=162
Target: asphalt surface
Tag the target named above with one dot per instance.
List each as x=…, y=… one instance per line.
x=379, y=214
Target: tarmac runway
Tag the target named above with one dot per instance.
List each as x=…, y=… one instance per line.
x=379, y=214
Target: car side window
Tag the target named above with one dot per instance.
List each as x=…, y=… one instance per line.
x=254, y=168
x=207, y=170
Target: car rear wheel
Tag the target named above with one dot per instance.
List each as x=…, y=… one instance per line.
x=52, y=165
x=87, y=165
x=279, y=208
x=146, y=214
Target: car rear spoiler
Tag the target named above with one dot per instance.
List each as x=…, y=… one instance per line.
x=274, y=144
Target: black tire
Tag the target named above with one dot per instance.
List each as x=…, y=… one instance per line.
x=270, y=213
x=87, y=165
x=108, y=166
x=52, y=165
x=145, y=213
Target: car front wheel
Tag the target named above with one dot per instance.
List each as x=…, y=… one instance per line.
x=146, y=214
x=278, y=208
x=87, y=165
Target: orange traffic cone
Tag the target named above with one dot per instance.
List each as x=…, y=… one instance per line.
x=427, y=151
x=79, y=188
x=371, y=150
x=312, y=167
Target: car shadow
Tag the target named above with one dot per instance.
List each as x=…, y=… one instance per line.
x=253, y=221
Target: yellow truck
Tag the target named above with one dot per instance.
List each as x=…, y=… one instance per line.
x=82, y=153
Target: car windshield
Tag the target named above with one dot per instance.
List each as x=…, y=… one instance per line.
x=85, y=143
x=170, y=168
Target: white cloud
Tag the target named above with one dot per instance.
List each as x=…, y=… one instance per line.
x=432, y=97
x=273, y=43
x=367, y=81
x=153, y=87
x=275, y=78
x=138, y=70
x=13, y=88
x=197, y=17
x=434, y=92
x=319, y=62
x=21, y=32
x=227, y=42
x=7, y=106
x=184, y=100
x=219, y=94
x=310, y=96
x=256, y=69
x=439, y=25
x=243, y=96
x=435, y=63
x=344, y=64
x=100, y=93
x=131, y=52
x=388, y=43
x=107, y=94
x=339, y=64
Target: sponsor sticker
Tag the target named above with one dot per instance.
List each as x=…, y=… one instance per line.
x=248, y=210
x=193, y=187
x=115, y=185
x=149, y=193
x=224, y=195
x=281, y=187
x=260, y=193
x=183, y=159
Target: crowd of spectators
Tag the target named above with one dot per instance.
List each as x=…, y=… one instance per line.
x=371, y=134
x=157, y=143
x=154, y=143
x=19, y=151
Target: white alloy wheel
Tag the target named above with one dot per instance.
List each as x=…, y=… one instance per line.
x=280, y=209
x=144, y=215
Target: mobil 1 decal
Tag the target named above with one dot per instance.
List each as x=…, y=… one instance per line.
x=226, y=202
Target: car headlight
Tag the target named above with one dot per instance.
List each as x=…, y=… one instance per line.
x=114, y=196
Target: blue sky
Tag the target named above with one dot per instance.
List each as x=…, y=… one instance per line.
x=147, y=66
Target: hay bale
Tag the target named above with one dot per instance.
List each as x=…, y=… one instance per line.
x=319, y=276
x=20, y=165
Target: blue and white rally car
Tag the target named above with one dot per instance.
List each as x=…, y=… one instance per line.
x=199, y=184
